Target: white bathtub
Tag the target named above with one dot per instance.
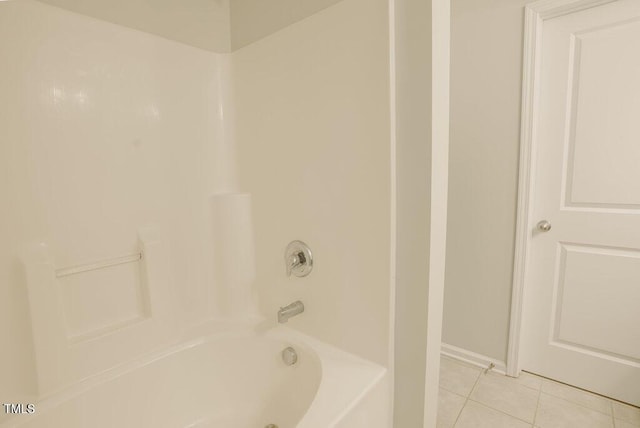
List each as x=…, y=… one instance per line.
x=230, y=380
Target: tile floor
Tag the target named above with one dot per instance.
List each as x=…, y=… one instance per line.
x=469, y=398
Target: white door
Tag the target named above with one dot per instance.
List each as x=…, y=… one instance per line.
x=581, y=313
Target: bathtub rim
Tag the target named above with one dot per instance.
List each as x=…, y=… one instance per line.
x=323, y=410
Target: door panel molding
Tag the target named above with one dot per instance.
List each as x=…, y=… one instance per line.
x=567, y=325
x=535, y=14
x=580, y=188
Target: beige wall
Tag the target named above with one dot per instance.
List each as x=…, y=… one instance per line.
x=215, y=25
x=413, y=152
x=422, y=125
x=100, y=135
x=486, y=61
x=313, y=136
x=252, y=20
x=200, y=23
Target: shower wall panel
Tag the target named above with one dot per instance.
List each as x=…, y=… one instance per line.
x=104, y=131
x=314, y=149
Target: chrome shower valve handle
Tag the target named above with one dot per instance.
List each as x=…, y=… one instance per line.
x=298, y=259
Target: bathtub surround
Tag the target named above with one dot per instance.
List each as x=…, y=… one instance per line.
x=223, y=171
x=233, y=252
x=316, y=94
x=312, y=135
x=104, y=131
x=313, y=126
x=120, y=146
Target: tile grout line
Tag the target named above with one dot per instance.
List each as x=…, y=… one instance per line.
x=584, y=406
x=500, y=411
x=550, y=380
x=608, y=399
x=466, y=399
x=559, y=396
x=535, y=415
x=586, y=391
x=539, y=390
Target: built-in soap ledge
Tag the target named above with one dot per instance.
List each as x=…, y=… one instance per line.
x=80, y=312
x=100, y=297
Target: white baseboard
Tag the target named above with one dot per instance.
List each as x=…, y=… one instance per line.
x=473, y=358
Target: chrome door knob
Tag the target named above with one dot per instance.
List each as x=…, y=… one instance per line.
x=544, y=226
